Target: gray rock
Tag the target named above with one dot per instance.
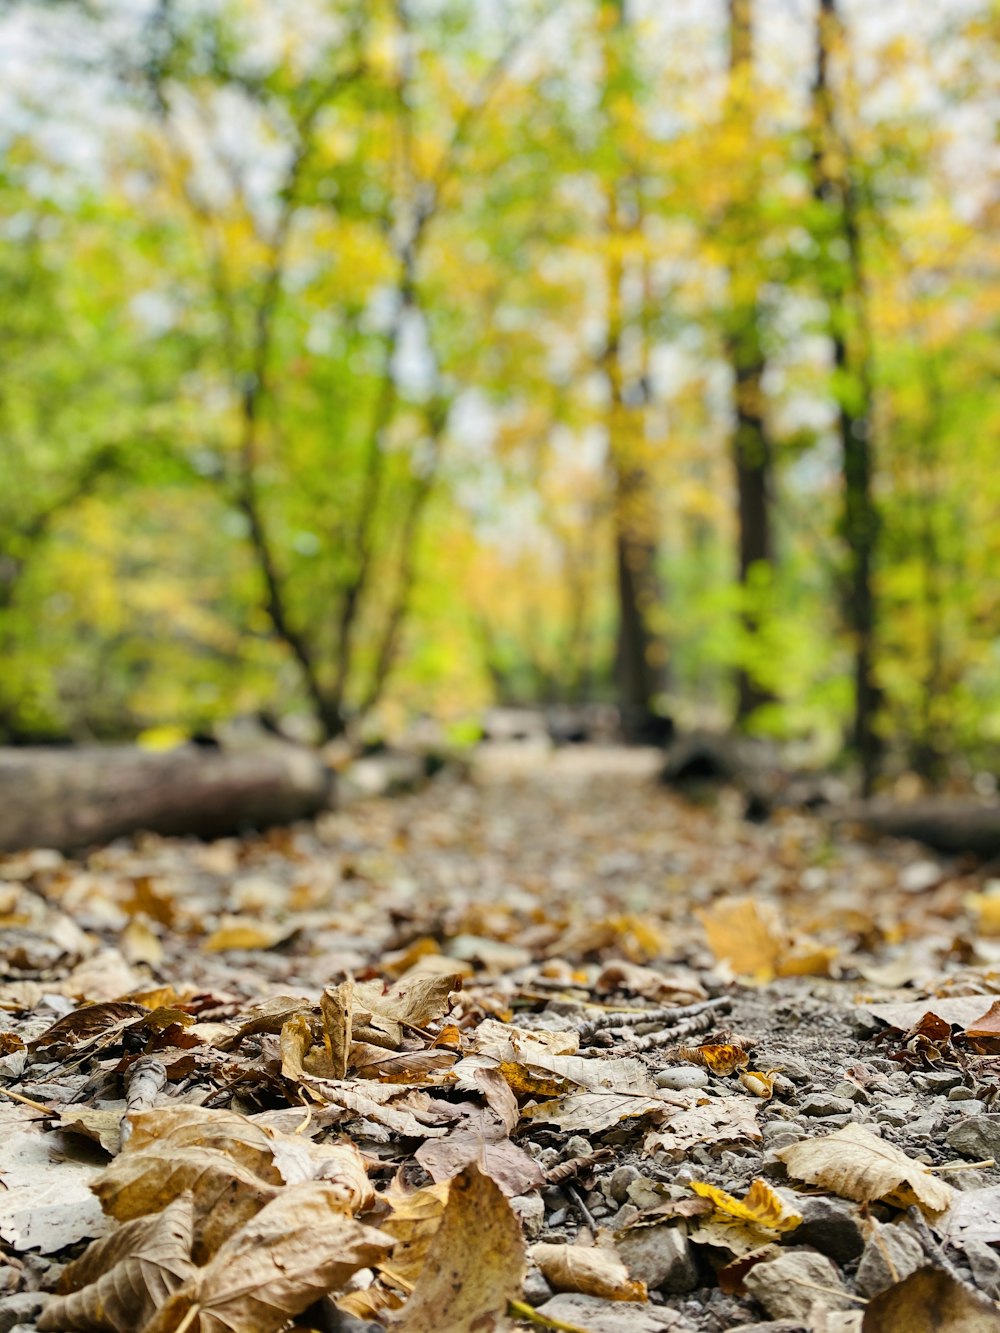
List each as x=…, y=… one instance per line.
x=972, y=1107
x=976, y=1137
x=831, y=1226
x=621, y=1178
x=781, y=1129
x=925, y=1126
x=684, y=1076
x=627, y=1213
x=660, y=1256
x=531, y=1211
x=823, y=1104
x=594, y=1315
x=578, y=1146
x=786, y=1286
x=961, y=1093
x=985, y=1264
x=19, y=1307
x=536, y=1289
x=851, y=1091
x=941, y=1081
x=901, y=1246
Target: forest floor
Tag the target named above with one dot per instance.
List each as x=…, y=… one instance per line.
x=542, y=1046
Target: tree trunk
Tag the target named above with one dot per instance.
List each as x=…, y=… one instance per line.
x=68, y=799
x=751, y=445
x=640, y=655
x=846, y=292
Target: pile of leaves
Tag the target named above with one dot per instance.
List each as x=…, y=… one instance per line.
x=501, y=1053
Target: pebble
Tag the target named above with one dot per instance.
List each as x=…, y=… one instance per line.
x=977, y=1136
x=985, y=1265
x=851, y=1091
x=820, y=1105
x=961, y=1093
x=940, y=1081
x=831, y=1226
x=677, y=1080
x=531, y=1211
x=536, y=1289
x=972, y=1107
x=902, y=1248
x=660, y=1256
x=621, y=1178
x=784, y=1130
x=578, y=1146
x=786, y=1286
x=558, y=1217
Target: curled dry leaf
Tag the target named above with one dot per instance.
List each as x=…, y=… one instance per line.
x=337, y=1009
x=587, y=1269
x=758, y=1084
x=297, y=1249
x=621, y=975
x=855, y=1164
x=483, y=1141
x=930, y=1301
x=507, y=1042
x=761, y=1206
x=593, y=1112
x=121, y=1280
x=474, y=1264
x=722, y=1059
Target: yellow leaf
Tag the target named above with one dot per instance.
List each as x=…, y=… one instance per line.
x=587, y=1269
x=760, y=1206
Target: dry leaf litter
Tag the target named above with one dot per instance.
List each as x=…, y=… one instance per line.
x=543, y=1047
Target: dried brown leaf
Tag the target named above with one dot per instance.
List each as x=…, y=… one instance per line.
x=587, y=1269
x=716, y=1121
x=297, y=1249
x=120, y=1280
x=474, y=1264
x=930, y=1301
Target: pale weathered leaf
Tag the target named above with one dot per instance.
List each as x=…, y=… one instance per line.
x=120, y=1280
x=293, y=1252
x=856, y=1164
x=480, y=1139
x=716, y=1121
x=930, y=1301
x=45, y=1197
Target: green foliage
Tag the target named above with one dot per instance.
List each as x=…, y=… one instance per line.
x=305, y=390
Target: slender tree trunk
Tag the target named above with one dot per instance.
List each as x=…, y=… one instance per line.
x=751, y=445
x=640, y=656
x=847, y=294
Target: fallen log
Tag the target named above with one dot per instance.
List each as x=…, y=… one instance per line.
x=67, y=799
x=948, y=824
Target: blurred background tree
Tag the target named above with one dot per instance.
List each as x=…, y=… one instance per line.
x=365, y=359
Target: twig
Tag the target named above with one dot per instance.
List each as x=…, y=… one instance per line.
x=668, y=1016
x=35, y=1106
x=965, y=1166
x=564, y=1171
x=587, y=1215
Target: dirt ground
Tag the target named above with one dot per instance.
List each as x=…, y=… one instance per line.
x=627, y=1022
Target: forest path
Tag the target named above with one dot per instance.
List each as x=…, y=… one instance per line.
x=677, y=1000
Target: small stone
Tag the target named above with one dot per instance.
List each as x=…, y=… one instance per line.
x=976, y=1137
x=925, y=1126
x=831, y=1226
x=536, y=1289
x=972, y=1107
x=597, y=1315
x=786, y=1286
x=942, y=1081
x=782, y=1129
x=558, y=1217
x=985, y=1264
x=660, y=1256
x=627, y=1213
x=20, y=1307
x=901, y=1246
x=621, y=1178
x=578, y=1146
x=684, y=1076
x=553, y=1197
x=960, y=1093
x=851, y=1091
x=549, y=1157
x=820, y=1105
x=531, y=1211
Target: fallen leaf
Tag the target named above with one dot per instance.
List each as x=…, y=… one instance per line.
x=297, y=1249
x=593, y=1112
x=621, y=975
x=856, y=1164
x=474, y=1264
x=749, y=936
x=761, y=1206
x=716, y=1121
x=337, y=1007
x=122, y=1279
x=588, y=1269
x=930, y=1301
x=482, y=1140
x=45, y=1196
